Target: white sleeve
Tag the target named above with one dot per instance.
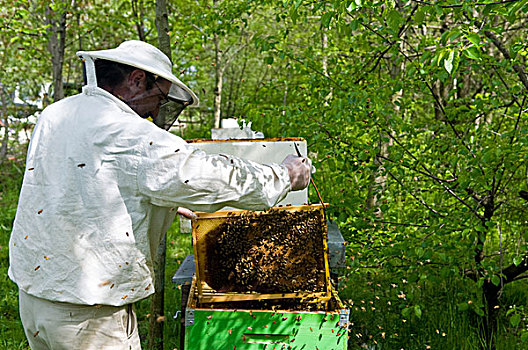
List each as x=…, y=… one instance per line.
x=173, y=173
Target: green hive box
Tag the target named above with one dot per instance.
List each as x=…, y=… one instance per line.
x=210, y=327
x=290, y=304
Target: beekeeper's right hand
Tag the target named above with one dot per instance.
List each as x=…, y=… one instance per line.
x=299, y=169
x=187, y=213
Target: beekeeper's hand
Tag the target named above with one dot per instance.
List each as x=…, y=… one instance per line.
x=186, y=213
x=299, y=169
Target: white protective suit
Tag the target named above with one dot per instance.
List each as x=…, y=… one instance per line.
x=94, y=171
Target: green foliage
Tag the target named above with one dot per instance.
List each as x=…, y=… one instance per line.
x=11, y=332
x=415, y=117
x=391, y=311
x=417, y=133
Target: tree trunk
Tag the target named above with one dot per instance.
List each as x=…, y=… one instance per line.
x=490, y=294
x=218, y=83
x=239, y=82
x=218, y=78
x=285, y=97
x=379, y=177
x=157, y=305
x=324, y=44
x=137, y=10
x=56, y=44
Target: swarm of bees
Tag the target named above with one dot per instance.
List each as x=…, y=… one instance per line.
x=276, y=251
x=277, y=305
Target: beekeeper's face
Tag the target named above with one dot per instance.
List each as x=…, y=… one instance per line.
x=146, y=95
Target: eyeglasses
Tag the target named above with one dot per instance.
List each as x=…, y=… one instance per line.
x=165, y=98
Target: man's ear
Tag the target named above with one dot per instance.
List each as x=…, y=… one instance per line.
x=137, y=80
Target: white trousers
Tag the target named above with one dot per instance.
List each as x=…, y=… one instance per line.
x=51, y=325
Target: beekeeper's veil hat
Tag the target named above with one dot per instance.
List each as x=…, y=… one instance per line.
x=144, y=56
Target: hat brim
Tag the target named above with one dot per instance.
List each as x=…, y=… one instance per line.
x=178, y=91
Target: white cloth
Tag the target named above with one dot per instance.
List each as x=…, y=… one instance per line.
x=94, y=170
x=52, y=325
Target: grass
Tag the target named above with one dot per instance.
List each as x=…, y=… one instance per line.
x=377, y=302
x=11, y=332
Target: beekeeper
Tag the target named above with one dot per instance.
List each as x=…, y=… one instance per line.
x=80, y=250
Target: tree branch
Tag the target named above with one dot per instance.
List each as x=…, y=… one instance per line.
x=520, y=277
x=416, y=197
x=460, y=5
x=436, y=178
x=438, y=103
x=512, y=272
x=448, y=189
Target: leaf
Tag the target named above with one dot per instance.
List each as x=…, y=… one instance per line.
x=463, y=307
x=394, y=19
x=455, y=33
x=515, y=6
x=440, y=56
x=517, y=260
x=14, y=39
x=515, y=320
x=419, y=16
x=495, y=280
x=524, y=336
x=418, y=311
x=294, y=15
x=474, y=38
x=326, y=18
x=472, y=52
x=448, y=62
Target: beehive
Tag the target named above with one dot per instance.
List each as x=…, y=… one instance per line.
x=241, y=325
x=279, y=253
